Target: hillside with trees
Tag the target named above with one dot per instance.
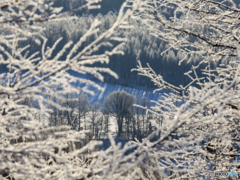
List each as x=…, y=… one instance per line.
x=139, y=46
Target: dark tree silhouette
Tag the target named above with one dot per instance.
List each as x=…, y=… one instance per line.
x=118, y=104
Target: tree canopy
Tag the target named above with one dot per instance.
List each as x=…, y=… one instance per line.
x=119, y=104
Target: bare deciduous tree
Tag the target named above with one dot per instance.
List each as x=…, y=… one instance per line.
x=94, y=118
x=82, y=108
x=118, y=104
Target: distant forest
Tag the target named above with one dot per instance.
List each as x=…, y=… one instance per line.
x=140, y=46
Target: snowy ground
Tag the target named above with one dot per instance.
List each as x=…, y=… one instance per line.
x=109, y=88
x=138, y=92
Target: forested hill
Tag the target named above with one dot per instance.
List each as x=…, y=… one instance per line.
x=140, y=46
x=106, y=6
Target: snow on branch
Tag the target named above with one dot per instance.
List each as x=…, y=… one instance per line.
x=201, y=121
x=37, y=76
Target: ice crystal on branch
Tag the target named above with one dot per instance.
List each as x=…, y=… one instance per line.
x=201, y=120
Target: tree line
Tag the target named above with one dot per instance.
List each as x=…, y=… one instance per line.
x=139, y=46
x=122, y=111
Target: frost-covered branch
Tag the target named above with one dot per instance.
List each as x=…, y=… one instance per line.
x=201, y=120
x=38, y=75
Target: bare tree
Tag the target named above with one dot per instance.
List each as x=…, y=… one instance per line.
x=69, y=114
x=94, y=118
x=145, y=104
x=82, y=108
x=142, y=118
x=106, y=123
x=118, y=104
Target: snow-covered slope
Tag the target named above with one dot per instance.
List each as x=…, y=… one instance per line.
x=138, y=92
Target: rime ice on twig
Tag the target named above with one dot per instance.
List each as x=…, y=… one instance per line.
x=38, y=79
x=202, y=119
